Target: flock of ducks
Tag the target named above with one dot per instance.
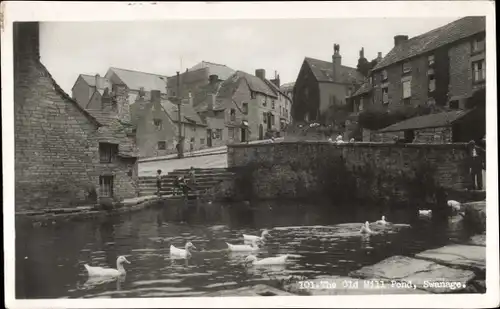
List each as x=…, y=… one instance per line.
x=251, y=244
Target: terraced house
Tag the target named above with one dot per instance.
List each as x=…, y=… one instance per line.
x=64, y=155
x=441, y=68
x=244, y=107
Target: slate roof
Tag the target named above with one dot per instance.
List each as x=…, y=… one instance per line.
x=116, y=131
x=90, y=80
x=323, y=71
x=135, y=79
x=224, y=91
x=433, y=39
x=287, y=86
x=276, y=89
x=366, y=87
x=221, y=70
x=188, y=113
x=427, y=121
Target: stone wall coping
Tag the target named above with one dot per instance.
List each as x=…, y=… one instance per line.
x=356, y=144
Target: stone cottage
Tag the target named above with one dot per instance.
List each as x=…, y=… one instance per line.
x=57, y=142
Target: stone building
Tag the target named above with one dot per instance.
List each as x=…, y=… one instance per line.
x=88, y=89
x=322, y=85
x=197, y=76
x=284, y=102
x=60, y=147
x=441, y=67
x=242, y=108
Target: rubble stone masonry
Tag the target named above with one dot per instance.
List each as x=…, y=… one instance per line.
x=53, y=154
x=389, y=171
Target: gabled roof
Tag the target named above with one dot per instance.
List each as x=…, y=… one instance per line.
x=427, y=121
x=276, y=89
x=323, y=71
x=287, y=86
x=256, y=84
x=364, y=88
x=90, y=80
x=188, y=114
x=61, y=92
x=221, y=70
x=119, y=132
x=434, y=39
x=135, y=79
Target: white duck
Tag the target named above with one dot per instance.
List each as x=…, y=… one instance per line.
x=381, y=221
x=365, y=228
x=242, y=248
x=108, y=272
x=183, y=253
x=454, y=205
x=277, y=260
x=425, y=212
x=254, y=238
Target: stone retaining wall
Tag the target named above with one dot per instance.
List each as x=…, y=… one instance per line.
x=374, y=171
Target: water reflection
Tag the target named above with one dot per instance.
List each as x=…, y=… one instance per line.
x=321, y=241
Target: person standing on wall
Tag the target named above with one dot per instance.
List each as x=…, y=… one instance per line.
x=476, y=165
x=191, y=146
x=158, y=182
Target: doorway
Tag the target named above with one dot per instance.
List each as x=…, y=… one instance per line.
x=209, y=137
x=243, y=135
x=261, y=132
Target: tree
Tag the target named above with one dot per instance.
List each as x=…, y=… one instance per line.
x=478, y=99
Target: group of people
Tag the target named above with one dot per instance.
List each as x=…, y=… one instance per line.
x=340, y=140
x=181, y=184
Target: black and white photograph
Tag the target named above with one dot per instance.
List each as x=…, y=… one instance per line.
x=201, y=152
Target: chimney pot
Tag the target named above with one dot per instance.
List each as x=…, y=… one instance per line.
x=213, y=78
x=260, y=73
x=337, y=61
x=399, y=39
x=155, y=96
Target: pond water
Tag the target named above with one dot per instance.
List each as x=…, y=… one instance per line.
x=49, y=260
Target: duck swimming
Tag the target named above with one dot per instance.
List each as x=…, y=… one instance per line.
x=241, y=248
x=277, y=260
x=183, y=253
x=253, y=238
x=381, y=221
x=94, y=271
x=425, y=212
x=454, y=205
x=365, y=228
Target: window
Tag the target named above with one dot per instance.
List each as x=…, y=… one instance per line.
x=106, y=186
x=218, y=132
x=231, y=132
x=384, y=75
x=264, y=117
x=107, y=152
x=385, y=95
x=273, y=120
x=430, y=61
x=252, y=95
x=245, y=108
x=273, y=104
x=158, y=124
x=202, y=141
x=162, y=145
x=432, y=80
x=406, y=67
x=264, y=101
x=431, y=102
x=479, y=70
x=406, y=89
x=361, y=104
x=233, y=114
x=349, y=92
x=454, y=104
x=478, y=45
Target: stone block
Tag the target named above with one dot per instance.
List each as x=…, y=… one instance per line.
x=462, y=256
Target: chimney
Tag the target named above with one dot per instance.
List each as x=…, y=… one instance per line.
x=191, y=101
x=337, y=61
x=379, y=56
x=26, y=41
x=399, y=39
x=260, y=73
x=276, y=80
x=106, y=100
x=120, y=102
x=155, y=97
x=211, y=104
x=362, y=53
x=98, y=82
x=213, y=79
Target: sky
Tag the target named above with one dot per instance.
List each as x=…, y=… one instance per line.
x=164, y=47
